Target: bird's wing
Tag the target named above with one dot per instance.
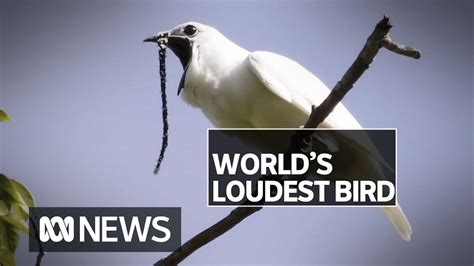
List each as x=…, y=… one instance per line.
x=295, y=84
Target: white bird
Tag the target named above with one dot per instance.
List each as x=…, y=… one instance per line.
x=236, y=88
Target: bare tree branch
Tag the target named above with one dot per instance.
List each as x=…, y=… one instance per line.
x=206, y=236
x=35, y=234
x=378, y=39
x=387, y=43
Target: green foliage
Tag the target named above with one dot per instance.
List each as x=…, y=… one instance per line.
x=15, y=199
x=4, y=116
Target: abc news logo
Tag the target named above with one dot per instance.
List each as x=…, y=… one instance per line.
x=106, y=229
x=99, y=231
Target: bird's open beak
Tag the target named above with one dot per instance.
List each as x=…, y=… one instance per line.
x=181, y=47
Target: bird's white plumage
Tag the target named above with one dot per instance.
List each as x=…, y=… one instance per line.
x=236, y=88
x=295, y=84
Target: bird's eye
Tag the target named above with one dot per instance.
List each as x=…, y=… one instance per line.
x=190, y=30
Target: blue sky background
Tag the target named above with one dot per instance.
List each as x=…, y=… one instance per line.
x=84, y=92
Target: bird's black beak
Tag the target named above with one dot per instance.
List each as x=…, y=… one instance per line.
x=181, y=47
x=161, y=38
x=152, y=39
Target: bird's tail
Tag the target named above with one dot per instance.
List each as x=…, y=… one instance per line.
x=399, y=220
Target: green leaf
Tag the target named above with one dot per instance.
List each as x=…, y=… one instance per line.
x=4, y=116
x=23, y=193
x=15, y=199
x=9, y=236
x=15, y=222
x=7, y=191
x=13, y=192
x=7, y=258
x=4, y=210
x=20, y=211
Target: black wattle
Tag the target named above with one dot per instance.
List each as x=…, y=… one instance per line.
x=182, y=48
x=183, y=78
